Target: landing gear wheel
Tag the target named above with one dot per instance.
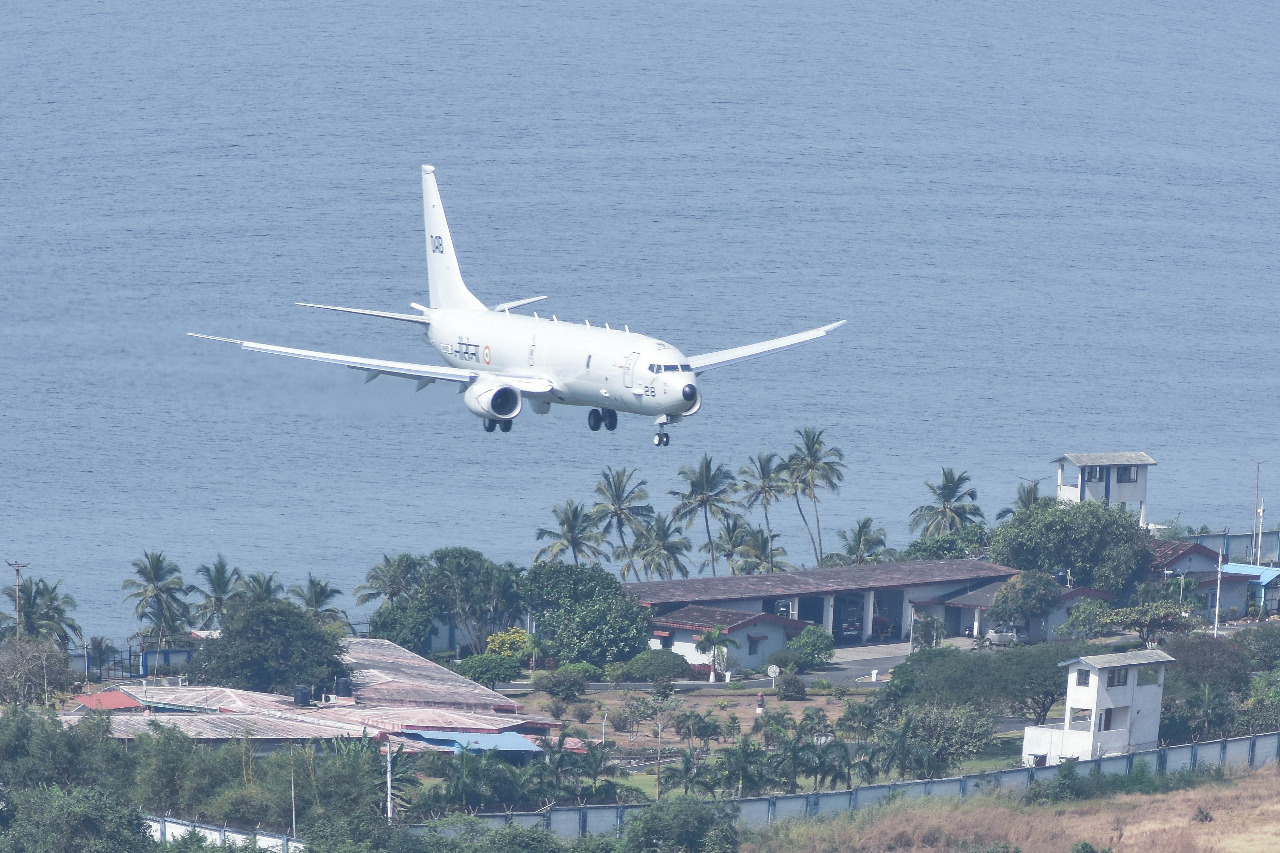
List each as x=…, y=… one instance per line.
x=490, y=424
x=594, y=419
x=657, y=440
x=610, y=420
x=666, y=439
x=505, y=426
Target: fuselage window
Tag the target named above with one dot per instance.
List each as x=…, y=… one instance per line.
x=671, y=368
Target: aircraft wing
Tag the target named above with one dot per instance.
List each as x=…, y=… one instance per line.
x=373, y=367
x=733, y=356
x=424, y=318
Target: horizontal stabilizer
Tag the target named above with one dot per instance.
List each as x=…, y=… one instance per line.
x=424, y=318
x=725, y=357
x=507, y=306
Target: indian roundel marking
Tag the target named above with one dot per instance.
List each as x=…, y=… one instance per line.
x=486, y=355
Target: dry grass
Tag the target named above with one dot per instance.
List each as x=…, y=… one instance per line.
x=1245, y=811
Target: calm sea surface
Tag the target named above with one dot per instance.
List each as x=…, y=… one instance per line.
x=1051, y=229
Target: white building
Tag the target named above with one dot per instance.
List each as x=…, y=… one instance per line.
x=1113, y=708
x=757, y=635
x=1110, y=478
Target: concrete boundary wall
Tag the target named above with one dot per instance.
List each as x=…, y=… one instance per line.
x=576, y=822
x=166, y=829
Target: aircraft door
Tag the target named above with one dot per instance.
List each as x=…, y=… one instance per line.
x=629, y=369
x=533, y=345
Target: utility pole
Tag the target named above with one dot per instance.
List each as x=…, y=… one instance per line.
x=390, y=805
x=293, y=796
x=17, y=595
x=1217, y=597
x=1257, y=515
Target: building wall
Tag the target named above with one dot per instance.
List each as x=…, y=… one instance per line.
x=684, y=644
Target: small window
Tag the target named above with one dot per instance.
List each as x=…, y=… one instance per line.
x=668, y=641
x=1117, y=677
x=1082, y=677
x=1148, y=675
x=1127, y=474
x=753, y=647
x=1104, y=720
x=1095, y=473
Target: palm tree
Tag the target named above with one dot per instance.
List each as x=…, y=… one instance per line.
x=716, y=642
x=315, y=598
x=261, y=586
x=764, y=482
x=222, y=585
x=159, y=593
x=688, y=772
x=953, y=506
x=576, y=532
x=811, y=466
x=743, y=765
x=760, y=552
x=661, y=547
x=1028, y=496
x=708, y=492
x=99, y=651
x=45, y=612
x=391, y=579
x=732, y=539
x=865, y=543
x=622, y=507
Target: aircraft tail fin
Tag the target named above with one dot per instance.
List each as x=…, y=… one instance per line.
x=444, y=281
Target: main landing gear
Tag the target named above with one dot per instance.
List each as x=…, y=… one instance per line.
x=598, y=417
x=662, y=439
x=490, y=424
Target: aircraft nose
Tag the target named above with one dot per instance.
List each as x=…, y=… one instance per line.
x=690, y=392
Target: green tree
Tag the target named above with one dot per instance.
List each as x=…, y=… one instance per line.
x=682, y=825
x=716, y=642
x=622, y=507
x=661, y=547
x=954, y=506
x=46, y=612
x=1099, y=546
x=391, y=580
x=733, y=540
x=576, y=533
x=101, y=651
x=863, y=544
x=263, y=586
x=159, y=595
x=317, y=597
x=410, y=621
x=480, y=596
x=1025, y=597
x=968, y=541
x=928, y=741
x=760, y=552
x=1152, y=620
x=221, y=584
x=743, y=768
x=1029, y=680
x=763, y=482
x=1089, y=618
x=82, y=820
x=598, y=631
x=552, y=585
x=811, y=466
x=269, y=645
x=1028, y=496
x=708, y=492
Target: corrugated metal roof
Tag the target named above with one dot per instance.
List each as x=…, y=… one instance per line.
x=817, y=581
x=503, y=742
x=208, y=699
x=1130, y=458
x=109, y=700
x=392, y=719
x=383, y=673
x=231, y=726
x=1264, y=574
x=1134, y=658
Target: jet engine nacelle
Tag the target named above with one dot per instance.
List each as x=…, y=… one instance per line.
x=489, y=398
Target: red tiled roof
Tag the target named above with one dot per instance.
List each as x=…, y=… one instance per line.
x=108, y=700
x=1167, y=552
x=817, y=581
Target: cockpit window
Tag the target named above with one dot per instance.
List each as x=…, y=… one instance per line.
x=671, y=368
x=655, y=368
x=687, y=368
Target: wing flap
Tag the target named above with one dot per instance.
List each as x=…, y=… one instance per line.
x=424, y=318
x=725, y=357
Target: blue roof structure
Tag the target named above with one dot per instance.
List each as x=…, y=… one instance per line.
x=475, y=741
x=1264, y=574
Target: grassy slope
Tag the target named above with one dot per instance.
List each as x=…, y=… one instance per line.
x=1245, y=811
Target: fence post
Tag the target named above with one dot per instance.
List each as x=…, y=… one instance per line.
x=853, y=795
x=582, y=821
x=619, y=818
x=1222, y=752
x=546, y=821
x=1128, y=765
x=1162, y=761
x=1253, y=747
x=964, y=786
x=772, y=814
x=1195, y=756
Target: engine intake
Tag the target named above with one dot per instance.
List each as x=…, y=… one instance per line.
x=490, y=399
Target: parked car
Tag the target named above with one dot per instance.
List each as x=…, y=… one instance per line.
x=1005, y=635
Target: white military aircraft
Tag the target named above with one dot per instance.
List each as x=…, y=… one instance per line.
x=501, y=359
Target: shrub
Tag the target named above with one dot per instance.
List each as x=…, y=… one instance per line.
x=590, y=672
x=511, y=643
x=620, y=720
x=556, y=708
x=700, y=672
x=791, y=688
x=786, y=660
x=662, y=688
x=566, y=686
x=681, y=823
x=656, y=663
x=735, y=685
x=489, y=669
x=820, y=684
x=582, y=711
x=814, y=646
x=615, y=672
x=839, y=691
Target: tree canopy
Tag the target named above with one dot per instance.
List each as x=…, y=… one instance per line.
x=1102, y=547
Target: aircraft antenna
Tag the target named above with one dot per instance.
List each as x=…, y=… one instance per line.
x=626, y=329
x=588, y=322
x=606, y=326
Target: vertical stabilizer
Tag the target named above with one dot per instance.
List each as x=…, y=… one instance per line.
x=444, y=282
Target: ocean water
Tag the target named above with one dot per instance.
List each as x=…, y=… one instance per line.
x=1051, y=229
